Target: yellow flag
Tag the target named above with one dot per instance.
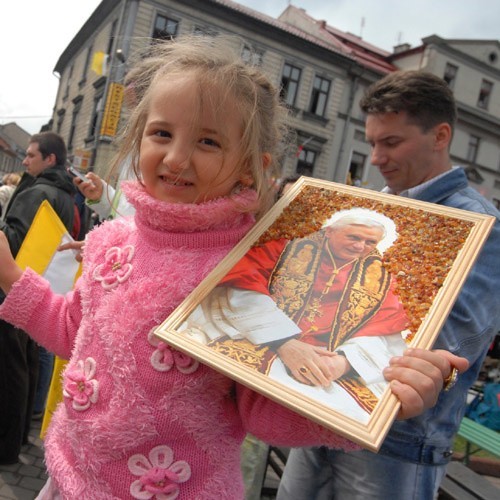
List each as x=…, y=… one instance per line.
x=39, y=250
x=98, y=65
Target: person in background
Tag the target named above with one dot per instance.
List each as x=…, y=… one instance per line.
x=9, y=184
x=410, y=121
x=46, y=179
x=139, y=418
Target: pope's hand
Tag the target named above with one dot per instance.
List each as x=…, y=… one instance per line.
x=312, y=365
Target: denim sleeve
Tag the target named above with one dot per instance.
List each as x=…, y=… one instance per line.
x=475, y=316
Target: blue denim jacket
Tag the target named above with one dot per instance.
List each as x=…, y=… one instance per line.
x=468, y=332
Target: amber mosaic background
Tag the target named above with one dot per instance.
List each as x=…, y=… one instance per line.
x=420, y=258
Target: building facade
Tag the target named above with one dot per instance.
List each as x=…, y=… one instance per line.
x=13, y=144
x=472, y=70
x=313, y=75
x=322, y=73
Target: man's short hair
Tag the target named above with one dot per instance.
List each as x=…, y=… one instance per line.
x=426, y=98
x=51, y=143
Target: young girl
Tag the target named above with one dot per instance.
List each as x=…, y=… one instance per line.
x=139, y=418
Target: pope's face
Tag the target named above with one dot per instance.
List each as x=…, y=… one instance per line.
x=353, y=241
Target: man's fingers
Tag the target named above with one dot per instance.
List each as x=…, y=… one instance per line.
x=411, y=402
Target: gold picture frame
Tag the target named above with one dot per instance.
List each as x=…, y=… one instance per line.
x=413, y=277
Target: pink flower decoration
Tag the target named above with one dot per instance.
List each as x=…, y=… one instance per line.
x=116, y=268
x=160, y=476
x=79, y=384
x=164, y=357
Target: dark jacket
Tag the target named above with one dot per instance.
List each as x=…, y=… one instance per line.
x=54, y=185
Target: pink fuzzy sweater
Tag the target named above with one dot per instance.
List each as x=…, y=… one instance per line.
x=139, y=419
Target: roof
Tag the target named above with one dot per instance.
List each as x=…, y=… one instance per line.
x=366, y=54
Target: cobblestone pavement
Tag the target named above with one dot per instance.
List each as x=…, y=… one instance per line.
x=23, y=481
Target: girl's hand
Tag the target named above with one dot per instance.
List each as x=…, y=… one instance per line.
x=10, y=272
x=92, y=188
x=418, y=377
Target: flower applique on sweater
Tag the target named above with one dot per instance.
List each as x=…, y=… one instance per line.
x=159, y=475
x=80, y=385
x=116, y=267
x=165, y=357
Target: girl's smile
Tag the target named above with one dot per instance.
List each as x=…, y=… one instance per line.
x=190, y=151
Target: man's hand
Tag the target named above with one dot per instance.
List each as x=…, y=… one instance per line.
x=92, y=188
x=312, y=365
x=10, y=272
x=417, y=378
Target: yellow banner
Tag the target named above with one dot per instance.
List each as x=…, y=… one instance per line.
x=112, y=110
x=39, y=252
x=98, y=64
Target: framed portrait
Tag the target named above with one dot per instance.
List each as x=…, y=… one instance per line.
x=330, y=284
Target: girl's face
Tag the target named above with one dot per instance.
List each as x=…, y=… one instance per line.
x=189, y=153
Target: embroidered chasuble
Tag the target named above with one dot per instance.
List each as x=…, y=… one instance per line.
x=329, y=303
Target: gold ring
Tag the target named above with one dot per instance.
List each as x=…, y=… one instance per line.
x=450, y=380
x=303, y=370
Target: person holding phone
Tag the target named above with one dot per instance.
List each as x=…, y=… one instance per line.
x=45, y=179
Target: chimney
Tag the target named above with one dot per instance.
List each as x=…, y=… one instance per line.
x=402, y=47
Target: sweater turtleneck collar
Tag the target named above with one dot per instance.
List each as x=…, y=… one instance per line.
x=216, y=222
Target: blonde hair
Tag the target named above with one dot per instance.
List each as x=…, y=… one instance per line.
x=11, y=179
x=223, y=79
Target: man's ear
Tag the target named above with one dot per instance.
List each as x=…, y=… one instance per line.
x=51, y=160
x=442, y=136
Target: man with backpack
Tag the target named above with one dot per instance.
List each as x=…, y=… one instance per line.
x=45, y=179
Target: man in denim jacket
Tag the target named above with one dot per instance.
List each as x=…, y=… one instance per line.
x=410, y=120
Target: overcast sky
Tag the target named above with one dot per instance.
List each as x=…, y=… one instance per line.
x=34, y=33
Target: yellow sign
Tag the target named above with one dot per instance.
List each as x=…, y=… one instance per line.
x=112, y=110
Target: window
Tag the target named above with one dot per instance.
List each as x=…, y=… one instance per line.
x=68, y=82
x=356, y=168
x=484, y=94
x=359, y=135
x=165, y=28
x=60, y=120
x=450, y=74
x=305, y=164
x=205, y=31
x=88, y=59
x=321, y=88
x=97, y=108
x=250, y=56
x=473, y=149
x=290, y=83
x=76, y=110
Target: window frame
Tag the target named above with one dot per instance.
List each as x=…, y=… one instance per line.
x=168, y=35
x=319, y=96
x=290, y=84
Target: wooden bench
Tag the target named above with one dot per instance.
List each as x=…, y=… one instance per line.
x=275, y=465
x=462, y=483
x=478, y=437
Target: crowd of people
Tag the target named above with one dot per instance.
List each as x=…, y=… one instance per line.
x=202, y=147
